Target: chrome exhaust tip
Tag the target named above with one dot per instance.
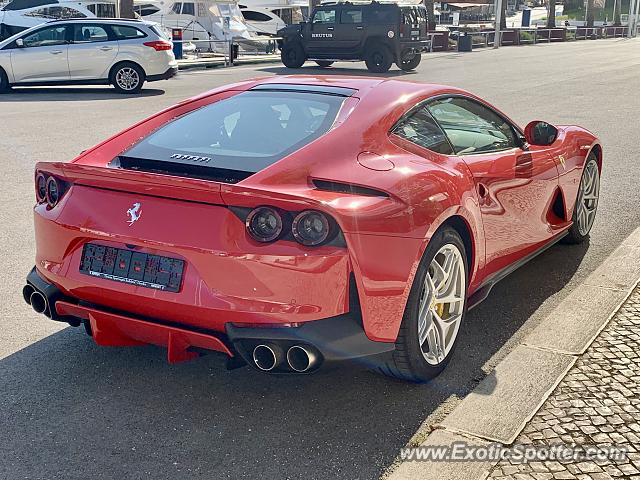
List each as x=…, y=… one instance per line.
x=267, y=357
x=38, y=302
x=27, y=291
x=301, y=359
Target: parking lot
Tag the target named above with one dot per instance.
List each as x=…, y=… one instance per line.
x=70, y=409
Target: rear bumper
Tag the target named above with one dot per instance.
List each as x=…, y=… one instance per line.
x=170, y=73
x=414, y=47
x=335, y=339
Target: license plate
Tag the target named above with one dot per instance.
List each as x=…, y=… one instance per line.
x=134, y=268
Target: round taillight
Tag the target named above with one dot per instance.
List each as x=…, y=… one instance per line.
x=264, y=224
x=53, y=192
x=41, y=188
x=310, y=227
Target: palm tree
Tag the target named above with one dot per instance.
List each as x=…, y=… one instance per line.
x=431, y=15
x=551, y=14
x=616, y=12
x=126, y=9
x=590, y=6
x=503, y=16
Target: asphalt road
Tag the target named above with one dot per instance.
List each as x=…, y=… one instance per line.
x=70, y=409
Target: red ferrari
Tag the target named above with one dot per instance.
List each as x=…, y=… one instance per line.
x=293, y=221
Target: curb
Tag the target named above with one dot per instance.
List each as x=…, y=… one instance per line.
x=215, y=62
x=499, y=407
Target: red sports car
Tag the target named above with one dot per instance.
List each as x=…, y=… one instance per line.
x=293, y=221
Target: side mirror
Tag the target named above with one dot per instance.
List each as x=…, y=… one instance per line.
x=540, y=133
x=20, y=43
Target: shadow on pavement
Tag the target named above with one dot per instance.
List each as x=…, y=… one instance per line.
x=358, y=70
x=70, y=409
x=60, y=94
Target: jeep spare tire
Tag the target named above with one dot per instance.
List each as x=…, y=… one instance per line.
x=293, y=55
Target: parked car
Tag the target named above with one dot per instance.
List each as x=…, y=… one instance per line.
x=378, y=33
x=124, y=53
x=361, y=221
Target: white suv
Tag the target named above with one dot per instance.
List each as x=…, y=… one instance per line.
x=124, y=53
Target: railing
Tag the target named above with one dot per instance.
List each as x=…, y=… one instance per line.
x=227, y=50
x=532, y=36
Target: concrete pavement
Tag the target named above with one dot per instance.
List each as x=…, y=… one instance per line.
x=73, y=410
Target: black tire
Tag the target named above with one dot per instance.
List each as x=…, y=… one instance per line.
x=292, y=55
x=127, y=77
x=407, y=361
x=4, y=82
x=324, y=63
x=574, y=236
x=378, y=58
x=410, y=64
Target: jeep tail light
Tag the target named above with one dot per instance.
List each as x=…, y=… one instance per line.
x=159, y=45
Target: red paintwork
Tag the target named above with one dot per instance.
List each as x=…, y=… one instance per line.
x=503, y=199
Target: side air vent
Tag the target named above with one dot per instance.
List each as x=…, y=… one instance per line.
x=180, y=169
x=348, y=188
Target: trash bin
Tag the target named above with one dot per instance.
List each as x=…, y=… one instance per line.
x=464, y=42
x=176, y=36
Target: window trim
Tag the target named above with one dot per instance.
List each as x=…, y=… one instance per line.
x=346, y=9
x=517, y=130
x=409, y=114
x=107, y=28
x=67, y=35
x=326, y=9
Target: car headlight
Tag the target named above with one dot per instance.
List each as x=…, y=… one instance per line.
x=264, y=224
x=311, y=227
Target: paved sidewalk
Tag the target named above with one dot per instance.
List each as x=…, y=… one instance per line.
x=596, y=404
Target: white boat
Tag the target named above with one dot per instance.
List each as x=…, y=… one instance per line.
x=261, y=20
x=19, y=15
x=210, y=24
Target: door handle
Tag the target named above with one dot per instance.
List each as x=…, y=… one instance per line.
x=359, y=27
x=55, y=52
x=106, y=49
x=330, y=28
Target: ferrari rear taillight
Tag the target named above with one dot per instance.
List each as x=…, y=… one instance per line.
x=158, y=45
x=264, y=224
x=49, y=189
x=309, y=227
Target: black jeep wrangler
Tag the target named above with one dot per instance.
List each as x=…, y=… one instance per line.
x=378, y=33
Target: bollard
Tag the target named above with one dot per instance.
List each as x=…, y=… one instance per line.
x=176, y=37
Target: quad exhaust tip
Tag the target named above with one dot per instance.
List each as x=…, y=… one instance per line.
x=27, y=291
x=301, y=359
x=38, y=302
x=267, y=356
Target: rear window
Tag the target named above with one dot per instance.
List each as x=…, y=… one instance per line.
x=243, y=133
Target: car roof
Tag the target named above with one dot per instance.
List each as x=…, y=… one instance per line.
x=362, y=84
x=102, y=20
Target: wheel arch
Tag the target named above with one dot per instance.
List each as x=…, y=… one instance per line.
x=121, y=62
x=597, y=150
x=461, y=226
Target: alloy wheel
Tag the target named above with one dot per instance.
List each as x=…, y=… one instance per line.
x=588, y=197
x=127, y=78
x=442, y=304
